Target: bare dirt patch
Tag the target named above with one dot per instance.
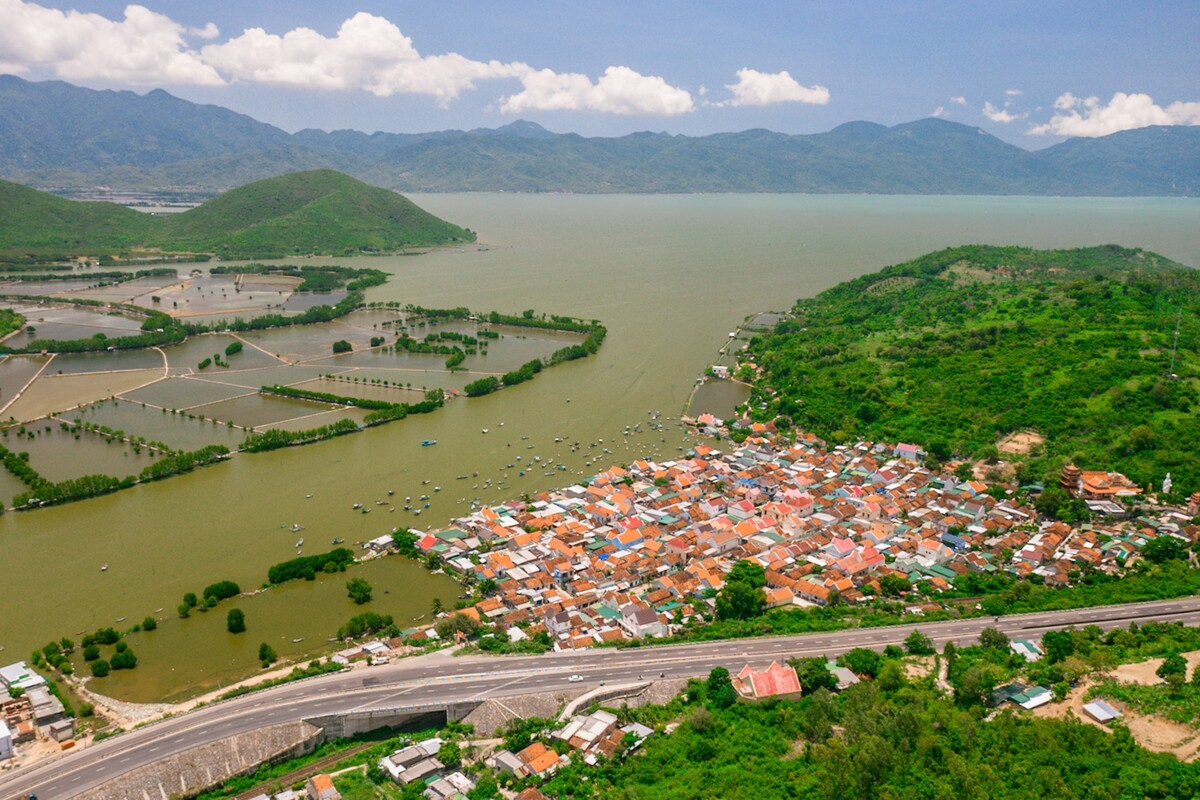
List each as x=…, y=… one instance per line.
x=1148, y=730
x=993, y=470
x=917, y=667
x=1020, y=443
x=1143, y=672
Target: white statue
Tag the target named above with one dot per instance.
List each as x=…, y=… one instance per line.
x=1166, y=484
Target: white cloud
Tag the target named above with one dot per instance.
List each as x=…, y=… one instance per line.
x=754, y=88
x=368, y=53
x=1013, y=92
x=143, y=48
x=1002, y=115
x=620, y=90
x=1122, y=113
x=959, y=101
x=940, y=111
x=209, y=31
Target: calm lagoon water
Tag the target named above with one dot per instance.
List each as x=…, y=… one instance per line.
x=669, y=275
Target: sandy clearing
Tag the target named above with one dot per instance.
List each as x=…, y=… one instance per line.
x=1148, y=730
x=1143, y=672
x=917, y=667
x=1019, y=443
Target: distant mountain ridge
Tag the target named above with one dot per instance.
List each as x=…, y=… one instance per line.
x=58, y=136
x=319, y=211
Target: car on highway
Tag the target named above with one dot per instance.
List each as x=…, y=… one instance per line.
x=575, y=678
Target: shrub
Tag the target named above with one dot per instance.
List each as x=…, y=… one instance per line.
x=222, y=590
x=125, y=659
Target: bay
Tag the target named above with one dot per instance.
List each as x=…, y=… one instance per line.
x=669, y=276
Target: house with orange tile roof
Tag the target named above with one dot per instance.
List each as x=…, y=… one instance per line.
x=320, y=787
x=776, y=681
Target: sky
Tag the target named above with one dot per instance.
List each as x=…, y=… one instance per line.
x=1031, y=73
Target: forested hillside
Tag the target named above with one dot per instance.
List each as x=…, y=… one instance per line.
x=884, y=739
x=319, y=211
x=957, y=348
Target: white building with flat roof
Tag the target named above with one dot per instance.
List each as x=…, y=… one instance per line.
x=20, y=676
x=6, y=742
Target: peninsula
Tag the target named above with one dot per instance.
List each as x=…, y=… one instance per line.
x=319, y=212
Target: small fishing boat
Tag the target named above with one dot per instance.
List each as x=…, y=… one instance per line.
x=428, y=442
x=300, y=542
x=308, y=497
x=297, y=527
x=460, y=477
x=437, y=488
x=297, y=641
x=485, y=430
x=338, y=540
x=417, y=512
x=391, y=492
x=104, y=567
x=366, y=510
x=357, y=506
x=122, y=619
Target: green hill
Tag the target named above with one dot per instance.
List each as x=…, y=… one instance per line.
x=958, y=348
x=320, y=211
x=38, y=226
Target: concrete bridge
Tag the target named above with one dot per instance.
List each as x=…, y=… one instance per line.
x=418, y=716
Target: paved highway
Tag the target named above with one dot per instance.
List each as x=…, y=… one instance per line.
x=441, y=678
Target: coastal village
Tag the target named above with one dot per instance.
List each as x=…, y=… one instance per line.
x=641, y=551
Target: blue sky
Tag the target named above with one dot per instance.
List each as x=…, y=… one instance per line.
x=1028, y=72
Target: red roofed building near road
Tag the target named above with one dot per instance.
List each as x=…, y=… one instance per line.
x=320, y=787
x=777, y=680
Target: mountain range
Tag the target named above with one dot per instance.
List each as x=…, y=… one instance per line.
x=68, y=139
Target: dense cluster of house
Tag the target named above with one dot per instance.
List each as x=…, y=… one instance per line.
x=588, y=737
x=29, y=711
x=636, y=552
x=418, y=764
